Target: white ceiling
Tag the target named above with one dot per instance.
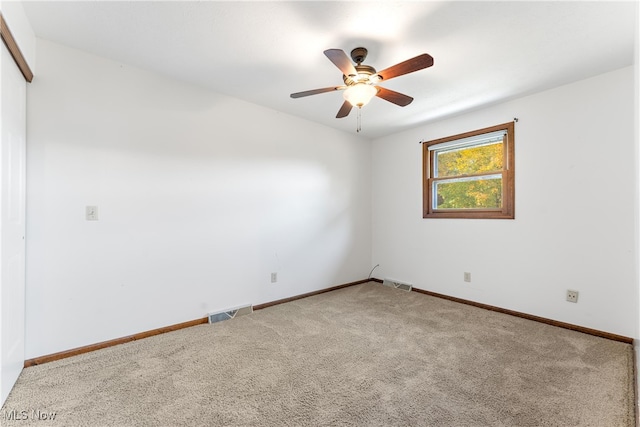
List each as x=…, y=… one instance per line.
x=261, y=52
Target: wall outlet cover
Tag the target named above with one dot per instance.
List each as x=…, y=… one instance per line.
x=572, y=296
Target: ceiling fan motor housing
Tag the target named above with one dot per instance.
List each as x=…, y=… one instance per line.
x=364, y=74
x=359, y=54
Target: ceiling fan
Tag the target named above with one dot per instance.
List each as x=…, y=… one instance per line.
x=361, y=81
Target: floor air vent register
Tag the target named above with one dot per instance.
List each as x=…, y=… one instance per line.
x=230, y=313
x=392, y=283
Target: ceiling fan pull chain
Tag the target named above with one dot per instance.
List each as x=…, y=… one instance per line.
x=359, y=126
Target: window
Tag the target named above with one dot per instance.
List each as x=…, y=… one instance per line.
x=470, y=175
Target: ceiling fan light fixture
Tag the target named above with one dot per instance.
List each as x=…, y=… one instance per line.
x=359, y=94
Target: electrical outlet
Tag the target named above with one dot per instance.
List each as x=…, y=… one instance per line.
x=572, y=296
x=274, y=277
x=467, y=277
x=91, y=213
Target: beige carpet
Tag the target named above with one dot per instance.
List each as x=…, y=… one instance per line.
x=366, y=355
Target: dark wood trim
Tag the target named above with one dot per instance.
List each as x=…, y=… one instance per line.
x=310, y=294
x=15, y=51
x=634, y=358
x=92, y=347
x=564, y=325
x=427, y=167
x=141, y=335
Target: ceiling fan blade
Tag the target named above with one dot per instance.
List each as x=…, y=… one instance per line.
x=406, y=67
x=393, y=96
x=344, y=110
x=316, y=91
x=342, y=61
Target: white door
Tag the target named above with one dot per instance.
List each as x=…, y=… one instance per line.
x=12, y=222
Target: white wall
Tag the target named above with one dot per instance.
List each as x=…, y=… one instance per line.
x=200, y=198
x=575, y=204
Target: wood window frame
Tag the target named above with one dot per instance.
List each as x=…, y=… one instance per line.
x=508, y=178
